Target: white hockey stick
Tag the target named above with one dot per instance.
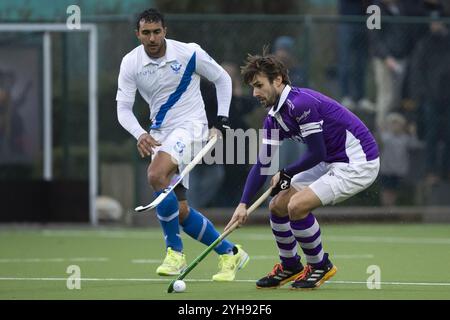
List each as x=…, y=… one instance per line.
x=185, y=171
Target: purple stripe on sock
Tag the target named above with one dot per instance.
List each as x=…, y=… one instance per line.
x=286, y=246
x=321, y=263
x=278, y=219
x=308, y=239
x=284, y=234
x=303, y=224
x=313, y=252
x=291, y=262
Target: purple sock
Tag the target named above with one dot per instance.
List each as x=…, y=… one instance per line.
x=307, y=233
x=287, y=245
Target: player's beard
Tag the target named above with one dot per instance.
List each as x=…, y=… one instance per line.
x=155, y=50
x=271, y=99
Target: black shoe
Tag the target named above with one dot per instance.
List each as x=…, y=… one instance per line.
x=279, y=276
x=313, y=278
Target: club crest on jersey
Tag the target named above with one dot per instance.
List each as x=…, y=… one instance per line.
x=176, y=67
x=179, y=147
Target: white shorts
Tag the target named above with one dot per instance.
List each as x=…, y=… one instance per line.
x=182, y=143
x=338, y=181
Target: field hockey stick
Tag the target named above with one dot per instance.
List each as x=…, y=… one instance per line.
x=202, y=256
x=185, y=171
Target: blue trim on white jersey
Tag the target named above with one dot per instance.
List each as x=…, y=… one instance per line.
x=176, y=95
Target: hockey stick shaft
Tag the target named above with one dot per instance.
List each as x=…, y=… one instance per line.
x=185, y=171
x=203, y=255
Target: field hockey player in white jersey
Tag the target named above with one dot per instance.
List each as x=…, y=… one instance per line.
x=167, y=74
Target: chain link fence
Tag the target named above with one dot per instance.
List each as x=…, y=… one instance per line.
x=331, y=54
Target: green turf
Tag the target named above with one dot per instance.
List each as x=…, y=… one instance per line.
x=414, y=262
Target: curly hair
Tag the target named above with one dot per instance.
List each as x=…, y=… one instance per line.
x=265, y=64
x=150, y=15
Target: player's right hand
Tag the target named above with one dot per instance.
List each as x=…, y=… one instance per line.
x=145, y=145
x=240, y=215
x=281, y=181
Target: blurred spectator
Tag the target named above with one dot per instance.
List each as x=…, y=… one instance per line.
x=206, y=179
x=429, y=85
x=283, y=48
x=353, y=56
x=397, y=139
x=390, y=48
x=14, y=163
x=235, y=174
x=208, y=183
x=12, y=128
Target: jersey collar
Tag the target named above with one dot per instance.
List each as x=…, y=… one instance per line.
x=170, y=51
x=281, y=100
x=169, y=56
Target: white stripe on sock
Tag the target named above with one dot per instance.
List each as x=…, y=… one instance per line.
x=311, y=245
x=315, y=259
x=169, y=218
x=288, y=253
x=307, y=232
x=200, y=236
x=281, y=227
x=285, y=239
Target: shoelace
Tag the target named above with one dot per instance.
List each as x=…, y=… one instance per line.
x=171, y=259
x=276, y=268
x=226, y=262
x=305, y=274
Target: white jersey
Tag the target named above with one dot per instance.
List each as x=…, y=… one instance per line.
x=170, y=85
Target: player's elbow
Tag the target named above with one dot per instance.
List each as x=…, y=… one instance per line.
x=224, y=79
x=321, y=153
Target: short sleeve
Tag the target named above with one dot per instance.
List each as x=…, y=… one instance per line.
x=126, y=86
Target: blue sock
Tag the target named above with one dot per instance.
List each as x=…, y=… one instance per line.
x=167, y=213
x=200, y=228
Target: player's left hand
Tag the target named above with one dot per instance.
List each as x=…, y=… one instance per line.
x=223, y=124
x=240, y=215
x=214, y=132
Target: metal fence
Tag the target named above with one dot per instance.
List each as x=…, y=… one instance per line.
x=331, y=54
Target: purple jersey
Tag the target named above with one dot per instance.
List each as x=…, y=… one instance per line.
x=331, y=132
x=301, y=112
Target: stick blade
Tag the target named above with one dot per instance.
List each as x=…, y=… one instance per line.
x=152, y=205
x=170, y=288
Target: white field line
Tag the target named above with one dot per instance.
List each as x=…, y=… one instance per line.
x=395, y=283
x=254, y=237
x=274, y=257
x=37, y=260
x=149, y=261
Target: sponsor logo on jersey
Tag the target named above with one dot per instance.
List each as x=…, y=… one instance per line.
x=147, y=71
x=303, y=116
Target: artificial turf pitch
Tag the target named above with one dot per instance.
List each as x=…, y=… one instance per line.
x=414, y=260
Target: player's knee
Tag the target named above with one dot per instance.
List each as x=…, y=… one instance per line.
x=183, y=211
x=275, y=208
x=297, y=209
x=156, y=180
